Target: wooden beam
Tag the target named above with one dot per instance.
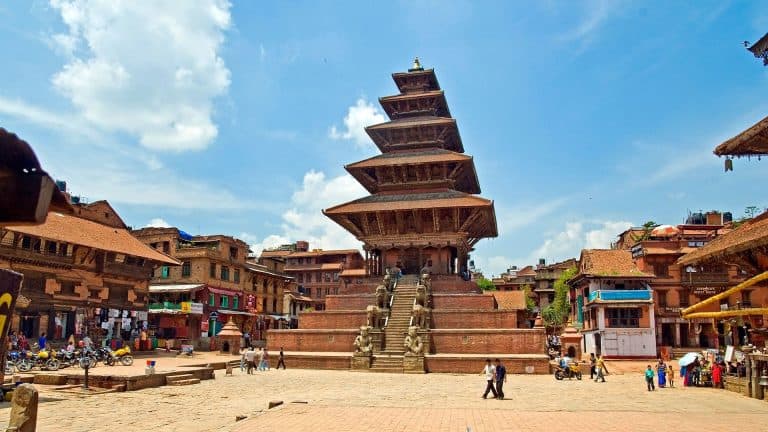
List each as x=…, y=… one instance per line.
x=380, y=223
x=348, y=224
x=399, y=225
x=456, y=219
x=366, y=227
x=475, y=214
x=417, y=219
x=435, y=220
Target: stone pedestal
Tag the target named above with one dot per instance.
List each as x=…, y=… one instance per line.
x=361, y=361
x=23, y=409
x=571, y=338
x=377, y=340
x=413, y=363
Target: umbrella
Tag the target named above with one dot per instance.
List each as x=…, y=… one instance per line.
x=687, y=359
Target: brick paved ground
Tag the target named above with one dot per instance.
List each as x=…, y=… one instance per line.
x=336, y=400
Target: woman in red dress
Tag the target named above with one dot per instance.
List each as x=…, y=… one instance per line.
x=717, y=375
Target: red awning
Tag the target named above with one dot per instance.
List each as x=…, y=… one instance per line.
x=224, y=292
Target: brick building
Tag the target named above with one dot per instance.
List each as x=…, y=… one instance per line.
x=84, y=274
x=546, y=275
x=214, y=283
x=612, y=304
x=515, y=279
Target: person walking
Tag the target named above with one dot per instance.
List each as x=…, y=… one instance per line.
x=41, y=341
x=649, y=378
x=242, y=359
x=250, y=357
x=501, y=378
x=661, y=372
x=717, y=375
x=281, y=359
x=601, y=369
x=490, y=373
x=266, y=359
x=592, y=366
x=261, y=359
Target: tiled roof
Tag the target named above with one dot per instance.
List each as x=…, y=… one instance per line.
x=323, y=252
x=353, y=272
x=526, y=271
x=412, y=121
x=75, y=230
x=609, y=263
x=415, y=157
x=753, y=141
x=510, y=300
x=749, y=235
x=275, y=253
x=391, y=202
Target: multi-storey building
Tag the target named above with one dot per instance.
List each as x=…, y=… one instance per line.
x=84, y=274
x=214, y=283
x=546, y=275
x=515, y=279
x=612, y=303
x=318, y=272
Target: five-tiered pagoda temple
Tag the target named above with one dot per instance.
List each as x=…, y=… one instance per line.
x=423, y=211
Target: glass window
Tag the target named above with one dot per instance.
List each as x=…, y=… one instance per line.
x=623, y=317
x=164, y=272
x=224, y=273
x=211, y=299
x=212, y=272
x=186, y=269
x=224, y=301
x=235, y=302
x=237, y=275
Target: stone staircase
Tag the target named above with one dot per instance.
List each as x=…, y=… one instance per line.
x=390, y=359
x=181, y=379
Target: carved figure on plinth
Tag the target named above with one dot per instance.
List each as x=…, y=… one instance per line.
x=413, y=344
x=363, y=342
x=375, y=316
x=421, y=295
x=426, y=280
x=382, y=297
x=420, y=314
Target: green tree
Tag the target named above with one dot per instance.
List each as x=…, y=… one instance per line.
x=486, y=284
x=556, y=314
x=530, y=303
x=647, y=228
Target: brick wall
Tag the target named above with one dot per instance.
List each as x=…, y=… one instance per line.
x=474, y=319
x=361, y=288
x=463, y=301
x=312, y=340
x=349, y=302
x=332, y=319
x=453, y=285
x=474, y=365
x=505, y=341
x=314, y=361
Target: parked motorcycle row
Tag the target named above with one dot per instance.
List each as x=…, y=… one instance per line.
x=24, y=361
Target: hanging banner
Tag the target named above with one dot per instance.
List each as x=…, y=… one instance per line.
x=186, y=307
x=196, y=308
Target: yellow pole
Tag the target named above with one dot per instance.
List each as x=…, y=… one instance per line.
x=728, y=313
x=725, y=294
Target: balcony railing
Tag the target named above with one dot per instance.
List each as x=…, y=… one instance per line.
x=165, y=305
x=620, y=295
x=33, y=255
x=693, y=279
x=128, y=270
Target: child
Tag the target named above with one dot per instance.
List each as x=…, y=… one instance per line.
x=671, y=374
x=649, y=378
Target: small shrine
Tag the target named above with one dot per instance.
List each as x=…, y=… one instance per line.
x=229, y=338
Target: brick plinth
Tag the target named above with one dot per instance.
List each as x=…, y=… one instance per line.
x=474, y=319
x=453, y=285
x=462, y=301
x=447, y=363
x=349, y=301
x=332, y=319
x=339, y=340
x=311, y=360
x=474, y=341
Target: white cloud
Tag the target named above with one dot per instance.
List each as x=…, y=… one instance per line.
x=157, y=223
x=149, y=69
x=511, y=219
x=304, y=220
x=596, y=14
x=360, y=115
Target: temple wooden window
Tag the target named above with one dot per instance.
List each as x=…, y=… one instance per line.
x=746, y=298
x=237, y=276
x=64, y=249
x=661, y=298
x=68, y=288
x=233, y=252
x=623, y=317
x=50, y=247
x=684, y=298
x=118, y=294
x=166, y=247
x=224, y=273
x=309, y=292
x=212, y=271
x=186, y=269
x=274, y=305
x=301, y=278
x=26, y=242
x=661, y=269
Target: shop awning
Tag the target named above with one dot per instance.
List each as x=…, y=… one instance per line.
x=174, y=288
x=167, y=311
x=234, y=312
x=279, y=317
x=224, y=292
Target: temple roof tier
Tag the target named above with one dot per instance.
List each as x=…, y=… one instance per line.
x=419, y=80
x=416, y=133
x=431, y=103
x=751, y=142
x=421, y=169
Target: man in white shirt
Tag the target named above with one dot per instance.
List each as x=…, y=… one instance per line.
x=490, y=374
x=250, y=355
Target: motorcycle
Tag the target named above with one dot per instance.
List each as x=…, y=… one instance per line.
x=43, y=359
x=571, y=371
x=123, y=355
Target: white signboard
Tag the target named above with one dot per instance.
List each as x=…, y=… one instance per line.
x=196, y=308
x=729, y=353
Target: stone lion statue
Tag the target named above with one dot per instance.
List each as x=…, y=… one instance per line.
x=421, y=295
x=381, y=296
x=426, y=280
x=363, y=342
x=389, y=281
x=420, y=314
x=413, y=344
x=374, y=315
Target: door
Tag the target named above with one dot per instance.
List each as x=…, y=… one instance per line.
x=598, y=344
x=668, y=334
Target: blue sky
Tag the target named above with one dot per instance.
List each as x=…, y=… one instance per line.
x=237, y=118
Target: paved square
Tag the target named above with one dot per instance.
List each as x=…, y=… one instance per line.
x=354, y=401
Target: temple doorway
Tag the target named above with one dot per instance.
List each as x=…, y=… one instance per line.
x=411, y=264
